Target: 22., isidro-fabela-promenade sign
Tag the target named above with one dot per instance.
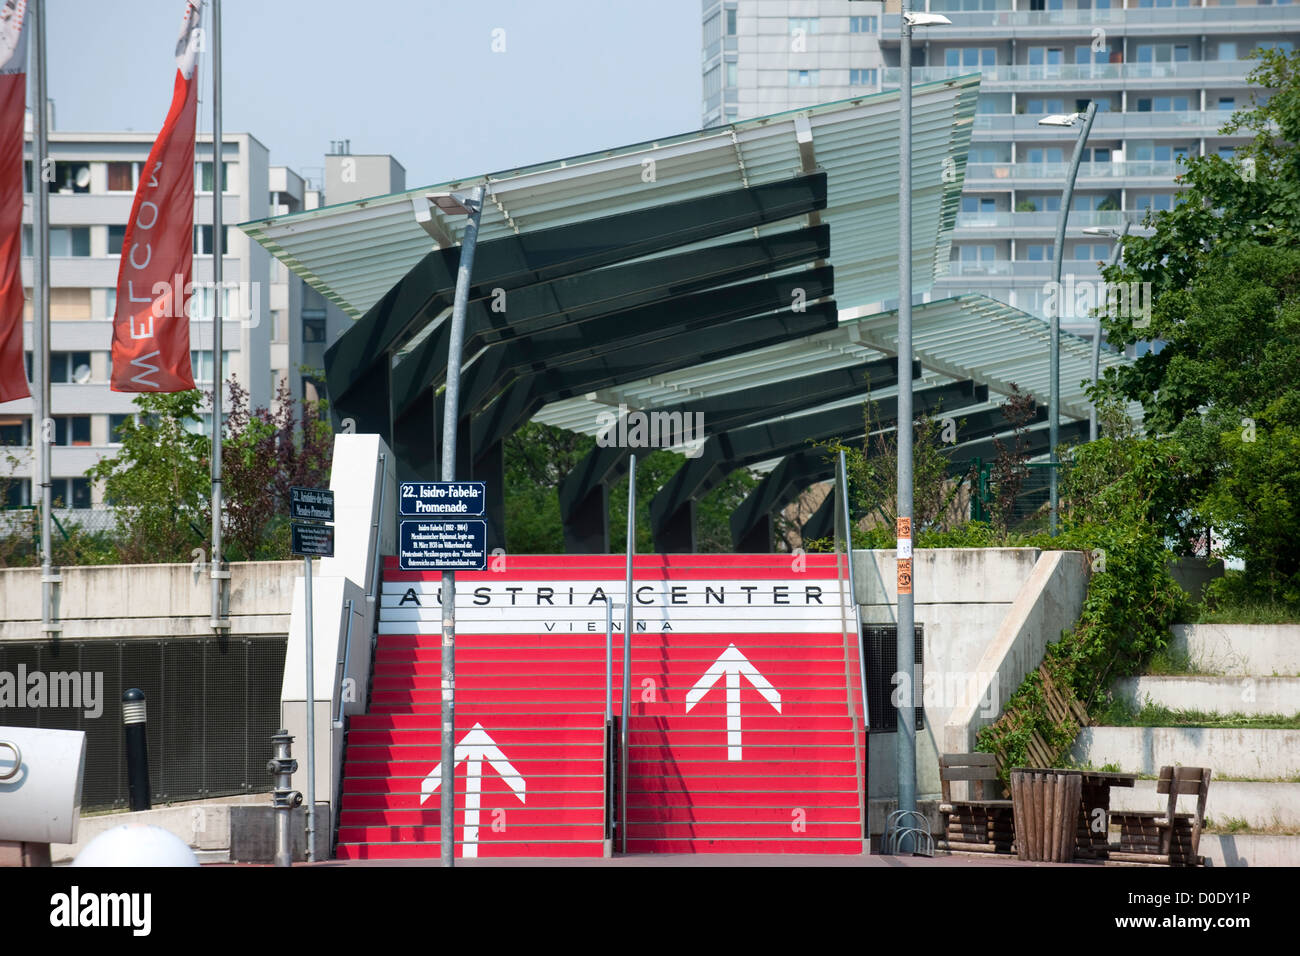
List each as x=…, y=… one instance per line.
x=444, y=533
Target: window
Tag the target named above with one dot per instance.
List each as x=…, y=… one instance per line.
x=72, y=429
x=983, y=204
x=1048, y=57
x=313, y=325
x=201, y=364
x=1227, y=50
x=70, y=492
x=999, y=153
x=116, y=235
x=805, y=26
x=713, y=82
x=18, y=493
x=71, y=178
x=972, y=57
x=1095, y=154
x=862, y=24
x=1228, y=152
x=123, y=177
x=70, y=367
x=1163, y=53
x=1045, y=106
x=1227, y=102
x=1160, y=202
x=1049, y=202
x=114, y=423
x=863, y=77
x=712, y=32
x=69, y=240
x=203, y=176
x=732, y=75
x=1163, y=104
x=803, y=77
x=15, y=430
x=731, y=22
x=981, y=253
x=202, y=305
x=1045, y=154
x=1040, y=253
x=1091, y=252
x=203, y=240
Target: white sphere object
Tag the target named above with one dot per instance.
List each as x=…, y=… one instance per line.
x=136, y=844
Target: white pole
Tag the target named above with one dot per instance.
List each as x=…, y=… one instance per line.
x=311, y=716
x=42, y=419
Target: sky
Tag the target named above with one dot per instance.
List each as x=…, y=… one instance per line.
x=416, y=78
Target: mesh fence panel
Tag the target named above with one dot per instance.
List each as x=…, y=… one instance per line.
x=212, y=708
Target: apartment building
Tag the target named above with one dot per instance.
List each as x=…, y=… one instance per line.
x=1165, y=75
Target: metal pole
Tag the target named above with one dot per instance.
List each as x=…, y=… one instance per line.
x=42, y=420
x=311, y=718
x=1096, y=338
x=609, y=719
x=862, y=664
x=218, y=191
x=627, y=651
x=137, y=749
x=1054, y=402
x=906, y=738
x=451, y=417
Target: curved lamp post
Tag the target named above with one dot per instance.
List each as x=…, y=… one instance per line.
x=1096, y=332
x=1054, y=402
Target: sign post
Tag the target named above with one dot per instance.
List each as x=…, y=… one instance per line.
x=312, y=513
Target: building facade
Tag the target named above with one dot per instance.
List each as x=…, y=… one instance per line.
x=1165, y=75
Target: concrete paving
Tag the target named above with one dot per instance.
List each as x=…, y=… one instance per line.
x=728, y=860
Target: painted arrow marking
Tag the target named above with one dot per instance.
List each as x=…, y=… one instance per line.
x=475, y=748
x=733, y=663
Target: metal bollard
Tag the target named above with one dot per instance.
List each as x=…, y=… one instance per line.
x=285, y=800
x=137, y=749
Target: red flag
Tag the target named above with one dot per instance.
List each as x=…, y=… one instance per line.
x=151, y=332
x=13, y=103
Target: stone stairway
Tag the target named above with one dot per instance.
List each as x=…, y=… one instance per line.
x=1253, y=807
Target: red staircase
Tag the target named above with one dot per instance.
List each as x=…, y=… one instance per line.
x=743, y=734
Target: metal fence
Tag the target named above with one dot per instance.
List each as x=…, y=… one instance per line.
x=213, y=705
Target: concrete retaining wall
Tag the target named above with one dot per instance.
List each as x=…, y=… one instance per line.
x=1250, y=754
x=1221, y=695
x=147, y=600
x=1260, y=804
x=988, y=614
x=1261, y=649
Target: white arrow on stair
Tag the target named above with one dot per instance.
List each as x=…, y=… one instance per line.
x=475, y=748
x=733, y=663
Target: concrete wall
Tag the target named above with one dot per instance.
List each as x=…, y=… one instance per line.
x=1247, y=753
x=988, y=615
x=1260, y=649
x=147, y=600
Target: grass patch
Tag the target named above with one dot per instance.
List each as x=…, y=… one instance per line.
x=1169, y=662
x=1120, y=714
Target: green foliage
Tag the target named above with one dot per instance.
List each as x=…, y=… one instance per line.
x=537, y=459
x=159, y=482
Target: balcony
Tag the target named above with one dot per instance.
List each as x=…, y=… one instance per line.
x=1186, y=74
x=1005, y=24
x=1019, y=269
x=1019, y=223
x=1022, y=175
x=1110, y=125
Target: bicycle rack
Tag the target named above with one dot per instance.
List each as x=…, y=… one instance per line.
x=902, y=824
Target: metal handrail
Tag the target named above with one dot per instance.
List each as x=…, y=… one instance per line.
x=343, y=663
x=373, y=595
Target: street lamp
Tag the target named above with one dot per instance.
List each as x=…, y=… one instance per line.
x=472, y=207
x=906, y=739
x=1054, y=401
x=1096, y=332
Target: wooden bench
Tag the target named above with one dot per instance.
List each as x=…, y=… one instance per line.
x=1165, y=836
x=981, y=825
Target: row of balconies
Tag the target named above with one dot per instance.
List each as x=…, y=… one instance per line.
x=1109, y=125
x=1134, y=22
x=1184, y=74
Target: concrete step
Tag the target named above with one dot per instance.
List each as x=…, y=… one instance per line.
x=1223, y=695
x=1248, y=754
x=1249, y=849
x=1260, y=804
x=1259, y=649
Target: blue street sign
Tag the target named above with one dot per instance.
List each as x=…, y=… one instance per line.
x=442, y=545
x=432, y=499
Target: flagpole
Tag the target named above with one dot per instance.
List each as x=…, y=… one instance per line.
x=42, y=420
x=218, y=190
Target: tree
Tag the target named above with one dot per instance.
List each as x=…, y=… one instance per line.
x=159, y=482
x=1224, y=272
